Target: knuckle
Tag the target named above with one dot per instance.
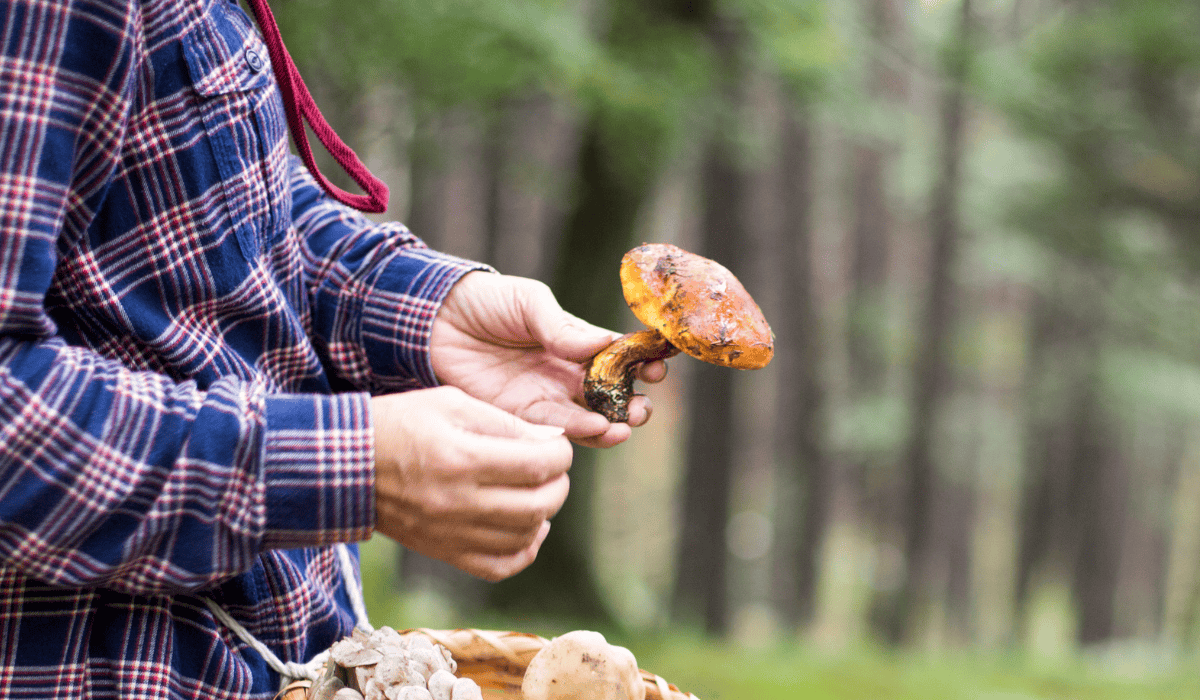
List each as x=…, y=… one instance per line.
x=532, y=521
x=537, y=287
x=512, y=566
x=437, y=506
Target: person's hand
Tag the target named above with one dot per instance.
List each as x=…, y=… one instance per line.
x=507, y=341
x=465, y=482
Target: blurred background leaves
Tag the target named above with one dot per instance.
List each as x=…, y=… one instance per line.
x=973, y=469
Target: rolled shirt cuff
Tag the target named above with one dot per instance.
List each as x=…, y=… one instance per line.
x=319, y=470
x=397, y=317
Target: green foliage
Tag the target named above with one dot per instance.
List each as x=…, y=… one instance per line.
x=1137, y=378
x=646, y=88
x=1108, y=88
x=644, y=68
x=446, y=52
x=794, y=39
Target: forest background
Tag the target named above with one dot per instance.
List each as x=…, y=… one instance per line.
x=973, y=468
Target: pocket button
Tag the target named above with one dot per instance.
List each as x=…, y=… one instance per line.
x=255, y=60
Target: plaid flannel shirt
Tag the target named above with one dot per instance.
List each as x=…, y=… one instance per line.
x=189, y=334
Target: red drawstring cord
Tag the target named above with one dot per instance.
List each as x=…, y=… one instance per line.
x=299, y=106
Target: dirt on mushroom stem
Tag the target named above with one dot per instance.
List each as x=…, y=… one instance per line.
x=609, y=376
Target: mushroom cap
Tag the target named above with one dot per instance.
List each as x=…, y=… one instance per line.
x=697, y=304
x=582, y=665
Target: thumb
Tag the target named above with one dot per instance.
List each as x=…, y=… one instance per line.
x=562, y=333
x=483, y=418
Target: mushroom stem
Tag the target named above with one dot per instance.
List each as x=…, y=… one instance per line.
x=608, y=384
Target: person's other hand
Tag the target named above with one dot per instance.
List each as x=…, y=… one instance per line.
x=465, y=482
x=507, y=341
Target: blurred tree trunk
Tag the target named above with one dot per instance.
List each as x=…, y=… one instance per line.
x=1001, y=462
x=1156, y=443
x=1181, y=603
x=532, y=140
x=611, y=187
x=424, y=216
x=872, y=219
x=934, y=371
x=700, y=591
x=800, y=447
x=857, y=481
x=522, y=141
x=1047, y=537
x=449, y=181
x=1077, y=489
x=1100, y=500
x=596, y=235
x=956, y=528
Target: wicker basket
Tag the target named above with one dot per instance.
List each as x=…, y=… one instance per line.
x=497, y=661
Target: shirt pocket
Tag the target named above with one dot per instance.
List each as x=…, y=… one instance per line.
x=243, y=121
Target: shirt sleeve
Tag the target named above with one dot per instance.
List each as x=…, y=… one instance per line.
x=112, y=477
x=374, y=290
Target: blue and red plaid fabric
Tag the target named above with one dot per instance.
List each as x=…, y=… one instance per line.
x=189, y=334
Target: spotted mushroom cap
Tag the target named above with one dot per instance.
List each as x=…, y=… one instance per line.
x=697, y=304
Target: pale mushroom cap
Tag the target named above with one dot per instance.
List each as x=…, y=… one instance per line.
x=697, y=304
x=581, y=665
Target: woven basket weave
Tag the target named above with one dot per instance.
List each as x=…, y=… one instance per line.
x=497, y=662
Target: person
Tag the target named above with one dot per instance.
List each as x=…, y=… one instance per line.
x=212, y=372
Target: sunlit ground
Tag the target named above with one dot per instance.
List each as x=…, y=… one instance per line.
x=716, y=671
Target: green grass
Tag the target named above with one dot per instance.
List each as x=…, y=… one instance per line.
x=716, y=671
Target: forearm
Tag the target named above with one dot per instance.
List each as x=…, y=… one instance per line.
x=374, y=290
x=130, y=481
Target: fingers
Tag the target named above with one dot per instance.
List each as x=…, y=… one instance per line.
x=640, y=410
x=483, y=419
x=464, y=482
x=508, y=512
x=652, y=372
x=565, y=335
x=615, y=434
x=503, y=449
x=502, y=461
x=497, y=567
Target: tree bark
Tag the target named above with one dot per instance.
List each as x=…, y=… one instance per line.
x=1182, y=576
x=934, y=372
x=872, y=221
x=1046, y=533
x=1077, y=488
x=532, y=139
x=800, y=446
x=871, y=231
x=700, y=592
x=1099, y=496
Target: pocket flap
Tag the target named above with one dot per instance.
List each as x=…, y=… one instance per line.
x=225, y=53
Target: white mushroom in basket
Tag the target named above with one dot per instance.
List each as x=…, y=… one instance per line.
x=582, y=665
x=386, y=666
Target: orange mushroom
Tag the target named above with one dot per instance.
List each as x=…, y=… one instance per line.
x=690, y=303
